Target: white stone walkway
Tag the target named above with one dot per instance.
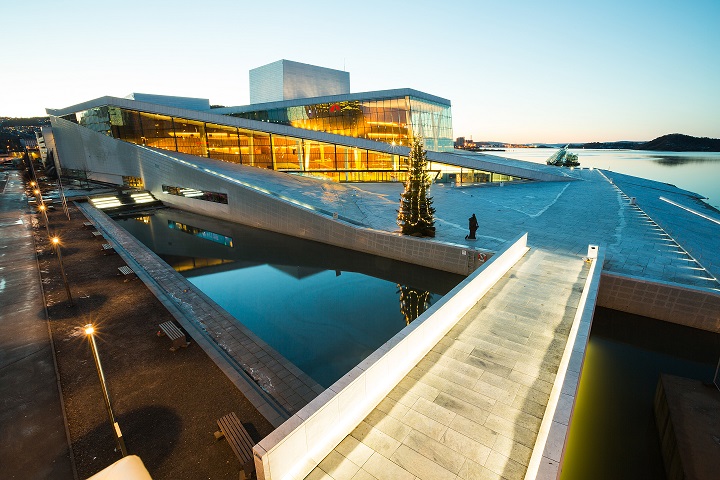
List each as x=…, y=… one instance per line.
x=471, y=409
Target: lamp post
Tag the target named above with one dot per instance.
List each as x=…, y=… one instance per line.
x=43, y=209
x=90, y=332
x=56, y=243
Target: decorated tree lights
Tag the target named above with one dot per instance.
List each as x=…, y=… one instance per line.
x=413, y=302
x=416, y=215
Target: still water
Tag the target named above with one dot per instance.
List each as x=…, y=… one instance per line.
x=613, y=433
x=698, y=172
x=324, y=308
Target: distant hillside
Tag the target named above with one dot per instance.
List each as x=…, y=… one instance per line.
x=24, y=122
x=624, y=144
x=676, y=142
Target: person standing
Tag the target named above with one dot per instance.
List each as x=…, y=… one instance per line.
x=473, y=226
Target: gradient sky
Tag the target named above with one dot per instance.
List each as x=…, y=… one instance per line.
x=515, y=71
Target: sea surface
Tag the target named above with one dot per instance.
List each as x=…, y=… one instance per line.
x=697, y=172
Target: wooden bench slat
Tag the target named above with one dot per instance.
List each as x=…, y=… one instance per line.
x=175, y=334
x=238, y=438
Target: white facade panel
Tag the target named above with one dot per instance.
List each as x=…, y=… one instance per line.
x=287, y=80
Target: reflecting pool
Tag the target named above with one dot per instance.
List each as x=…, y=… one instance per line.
x=322, y=307
x=613, y=432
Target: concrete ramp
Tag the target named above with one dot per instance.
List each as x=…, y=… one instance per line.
x=473, y=407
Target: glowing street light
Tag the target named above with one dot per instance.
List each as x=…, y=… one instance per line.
x=56, y=243
x=90, y=332
x=43, y=209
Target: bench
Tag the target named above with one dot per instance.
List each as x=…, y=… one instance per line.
x=170, y=330
x=107, y=249
x=97, y=235
x=125, y=270
x=240, y=442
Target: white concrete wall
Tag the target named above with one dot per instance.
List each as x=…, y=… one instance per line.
x=546, y=459
x=685, y=305
x=104, y=157
x=298, y=446
x=288, y=80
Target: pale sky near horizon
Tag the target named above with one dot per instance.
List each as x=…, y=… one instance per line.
x=515, y=71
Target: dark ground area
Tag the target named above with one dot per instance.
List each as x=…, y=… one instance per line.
x=165, y=402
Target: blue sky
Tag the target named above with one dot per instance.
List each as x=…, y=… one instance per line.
x=515, y=71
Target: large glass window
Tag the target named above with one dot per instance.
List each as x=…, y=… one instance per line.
x=319, y=156
x=261, y=152
x=388, y=120
x=288, y=152
x=190, y=136
x=382, y=161
x=126, y=125
x=349, y=158
x=96, y=119
x=157, y=131
x=223, y=143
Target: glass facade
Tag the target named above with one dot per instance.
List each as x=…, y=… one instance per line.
x=394, y=120
x=247, y=147
x=385, y=120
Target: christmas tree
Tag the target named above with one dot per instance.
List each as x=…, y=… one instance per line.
x=416, y=216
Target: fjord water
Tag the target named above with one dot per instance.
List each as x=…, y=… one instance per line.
x=698, y=172
x=322, y=307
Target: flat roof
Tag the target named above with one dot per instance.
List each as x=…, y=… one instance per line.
x=347, y=97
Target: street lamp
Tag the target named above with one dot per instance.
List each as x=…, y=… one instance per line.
x=90, y=332
x=43, y=209
x=56, y=243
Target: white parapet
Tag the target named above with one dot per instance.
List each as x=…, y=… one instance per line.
x=547, y=455
x=296, y=447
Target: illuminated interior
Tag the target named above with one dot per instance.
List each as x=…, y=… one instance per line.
x=393, y=121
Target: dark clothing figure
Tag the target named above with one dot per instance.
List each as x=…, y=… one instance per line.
x=473, y=226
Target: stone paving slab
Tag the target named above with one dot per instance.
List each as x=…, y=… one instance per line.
x=472, y=407
x=232, y=345
x=653, y=239
x=31, y=411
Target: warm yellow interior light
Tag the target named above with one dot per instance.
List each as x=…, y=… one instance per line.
x=89, y=329
x=36, y=191
x=55, y=240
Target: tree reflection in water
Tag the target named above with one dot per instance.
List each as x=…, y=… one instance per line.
x=413, y=302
